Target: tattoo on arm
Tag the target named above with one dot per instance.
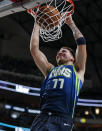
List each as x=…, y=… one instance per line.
x=76, y=32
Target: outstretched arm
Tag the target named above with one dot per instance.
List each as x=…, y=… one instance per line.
x=80, y=60
x=39, y=58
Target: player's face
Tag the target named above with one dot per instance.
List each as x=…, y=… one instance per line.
x=64, y=56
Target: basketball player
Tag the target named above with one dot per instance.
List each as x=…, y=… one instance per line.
x=62, y=84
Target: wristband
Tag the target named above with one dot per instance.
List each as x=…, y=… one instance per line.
x=81, y=41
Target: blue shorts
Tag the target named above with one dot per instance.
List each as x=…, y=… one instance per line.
x=51, y=122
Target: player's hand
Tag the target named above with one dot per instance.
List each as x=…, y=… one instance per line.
x=69, y=20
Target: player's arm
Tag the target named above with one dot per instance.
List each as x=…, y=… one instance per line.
x=39, y=58
x=80, y=60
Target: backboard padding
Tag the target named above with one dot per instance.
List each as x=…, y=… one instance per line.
x=7, y=7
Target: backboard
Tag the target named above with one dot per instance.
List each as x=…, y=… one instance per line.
x=8, y=7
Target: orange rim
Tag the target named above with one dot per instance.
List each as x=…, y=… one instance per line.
x=71, y=2
x=31, y=11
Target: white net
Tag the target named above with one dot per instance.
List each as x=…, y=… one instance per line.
x=50, y=25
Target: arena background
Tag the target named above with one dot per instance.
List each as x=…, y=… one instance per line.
x=20, y=79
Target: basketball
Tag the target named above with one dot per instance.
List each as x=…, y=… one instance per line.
x=48, y=17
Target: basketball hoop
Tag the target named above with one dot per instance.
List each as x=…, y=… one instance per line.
x=50, y=27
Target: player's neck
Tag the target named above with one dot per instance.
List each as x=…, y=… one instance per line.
x=69, y=63
x=66, y=63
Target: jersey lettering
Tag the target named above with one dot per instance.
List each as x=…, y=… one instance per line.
x=60, y=72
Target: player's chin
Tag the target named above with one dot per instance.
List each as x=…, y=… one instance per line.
x=61, y=62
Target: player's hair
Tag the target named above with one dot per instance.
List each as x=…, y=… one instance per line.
x=71, y=51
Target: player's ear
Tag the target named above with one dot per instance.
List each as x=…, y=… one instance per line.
x=72, y=59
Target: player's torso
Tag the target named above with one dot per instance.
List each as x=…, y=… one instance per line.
x=59, y=92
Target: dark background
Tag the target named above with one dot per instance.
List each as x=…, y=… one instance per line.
x=17, y=65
